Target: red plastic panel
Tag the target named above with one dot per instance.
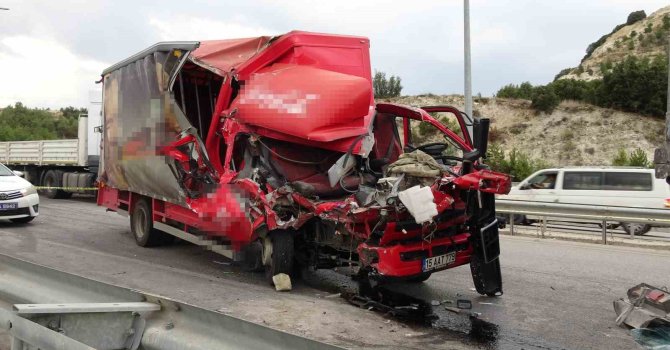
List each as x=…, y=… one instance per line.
x=306, y=102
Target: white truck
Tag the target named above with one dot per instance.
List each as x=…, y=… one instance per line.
x=63, y=166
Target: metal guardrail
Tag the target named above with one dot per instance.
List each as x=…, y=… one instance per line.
x=598, y=213
x=54, y=310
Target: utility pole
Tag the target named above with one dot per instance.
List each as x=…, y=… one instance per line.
x=468, y=68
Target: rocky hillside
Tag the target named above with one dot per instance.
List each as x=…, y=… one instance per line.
x=573, y=134
x=647, y=37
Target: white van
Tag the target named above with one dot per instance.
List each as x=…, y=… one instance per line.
x=619, y=186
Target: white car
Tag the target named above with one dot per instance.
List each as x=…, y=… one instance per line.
x=19, y=201
x=617, y=186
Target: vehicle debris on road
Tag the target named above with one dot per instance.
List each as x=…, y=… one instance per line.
x=647, y=310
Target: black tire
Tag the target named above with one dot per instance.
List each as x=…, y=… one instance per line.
x=521, y=220
x=54, y=178
x=609, y=226
x=142, y=227
x=420, y=278
x=25, y=220
x=635, y=228
x=280, y=258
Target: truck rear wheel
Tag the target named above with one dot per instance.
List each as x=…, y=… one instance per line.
x=278, y=253
x=142, y=227
x=54, y=178
x=635, y=228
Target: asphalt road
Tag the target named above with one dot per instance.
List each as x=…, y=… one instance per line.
x=558, y=294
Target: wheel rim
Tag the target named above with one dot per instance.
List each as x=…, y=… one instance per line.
x=636, y=228
x=140, y=220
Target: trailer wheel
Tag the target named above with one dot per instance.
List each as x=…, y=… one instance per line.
x=54, y=178
x=142, y=227
x=278, y=254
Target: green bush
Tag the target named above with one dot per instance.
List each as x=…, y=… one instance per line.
x=544, y=99
x=524, y=91
x=639, y=158
x=516, y=163
x=648, y=28
x=635, y=17
x=386, y=87
x=636, y=85
x=20, y=123
x=636, y=157
x=563, y=72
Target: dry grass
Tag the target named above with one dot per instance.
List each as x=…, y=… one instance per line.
x=574, y=134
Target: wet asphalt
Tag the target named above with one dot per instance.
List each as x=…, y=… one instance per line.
x=557, y=294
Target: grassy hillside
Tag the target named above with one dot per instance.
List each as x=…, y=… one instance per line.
x=646, y=38
x=573, y=134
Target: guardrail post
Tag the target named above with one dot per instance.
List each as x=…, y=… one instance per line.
x=632, y=234
x=544, y=225
x=17, y=344
x=511, y=224
x=604, y=231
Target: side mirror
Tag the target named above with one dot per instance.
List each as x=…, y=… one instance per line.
x=480, y=133
x=524, y=187
x=18, y=173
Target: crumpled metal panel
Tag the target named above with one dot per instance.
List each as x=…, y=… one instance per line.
x=221, y=56
x=140, y=117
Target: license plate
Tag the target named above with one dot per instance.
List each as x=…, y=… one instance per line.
x=5, y=206
x=439, y=261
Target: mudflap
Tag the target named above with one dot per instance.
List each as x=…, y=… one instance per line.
x=485, y=262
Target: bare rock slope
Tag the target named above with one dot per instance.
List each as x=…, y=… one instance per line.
x=574, y=134
x=645, y=38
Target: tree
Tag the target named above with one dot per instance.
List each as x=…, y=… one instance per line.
x=524, y=91
x=544, y=99
x=621, y=158
x=20, y=123
x=636, y=157
x=386, y=87
x=636, y=16
x=636, y=85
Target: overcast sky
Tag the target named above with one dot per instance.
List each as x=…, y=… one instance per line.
x=51, y=52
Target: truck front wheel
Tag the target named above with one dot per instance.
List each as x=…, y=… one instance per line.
x=142, y=227
x=278, y=253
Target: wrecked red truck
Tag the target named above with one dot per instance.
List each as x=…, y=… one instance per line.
x=273, y=152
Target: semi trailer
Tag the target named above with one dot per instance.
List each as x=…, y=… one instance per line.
x=272, y=151
x=61, y=167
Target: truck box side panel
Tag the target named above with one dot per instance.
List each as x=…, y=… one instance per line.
x=43, y=152
x=140, y=118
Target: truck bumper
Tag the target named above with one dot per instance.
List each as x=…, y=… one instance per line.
x=407, y=260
